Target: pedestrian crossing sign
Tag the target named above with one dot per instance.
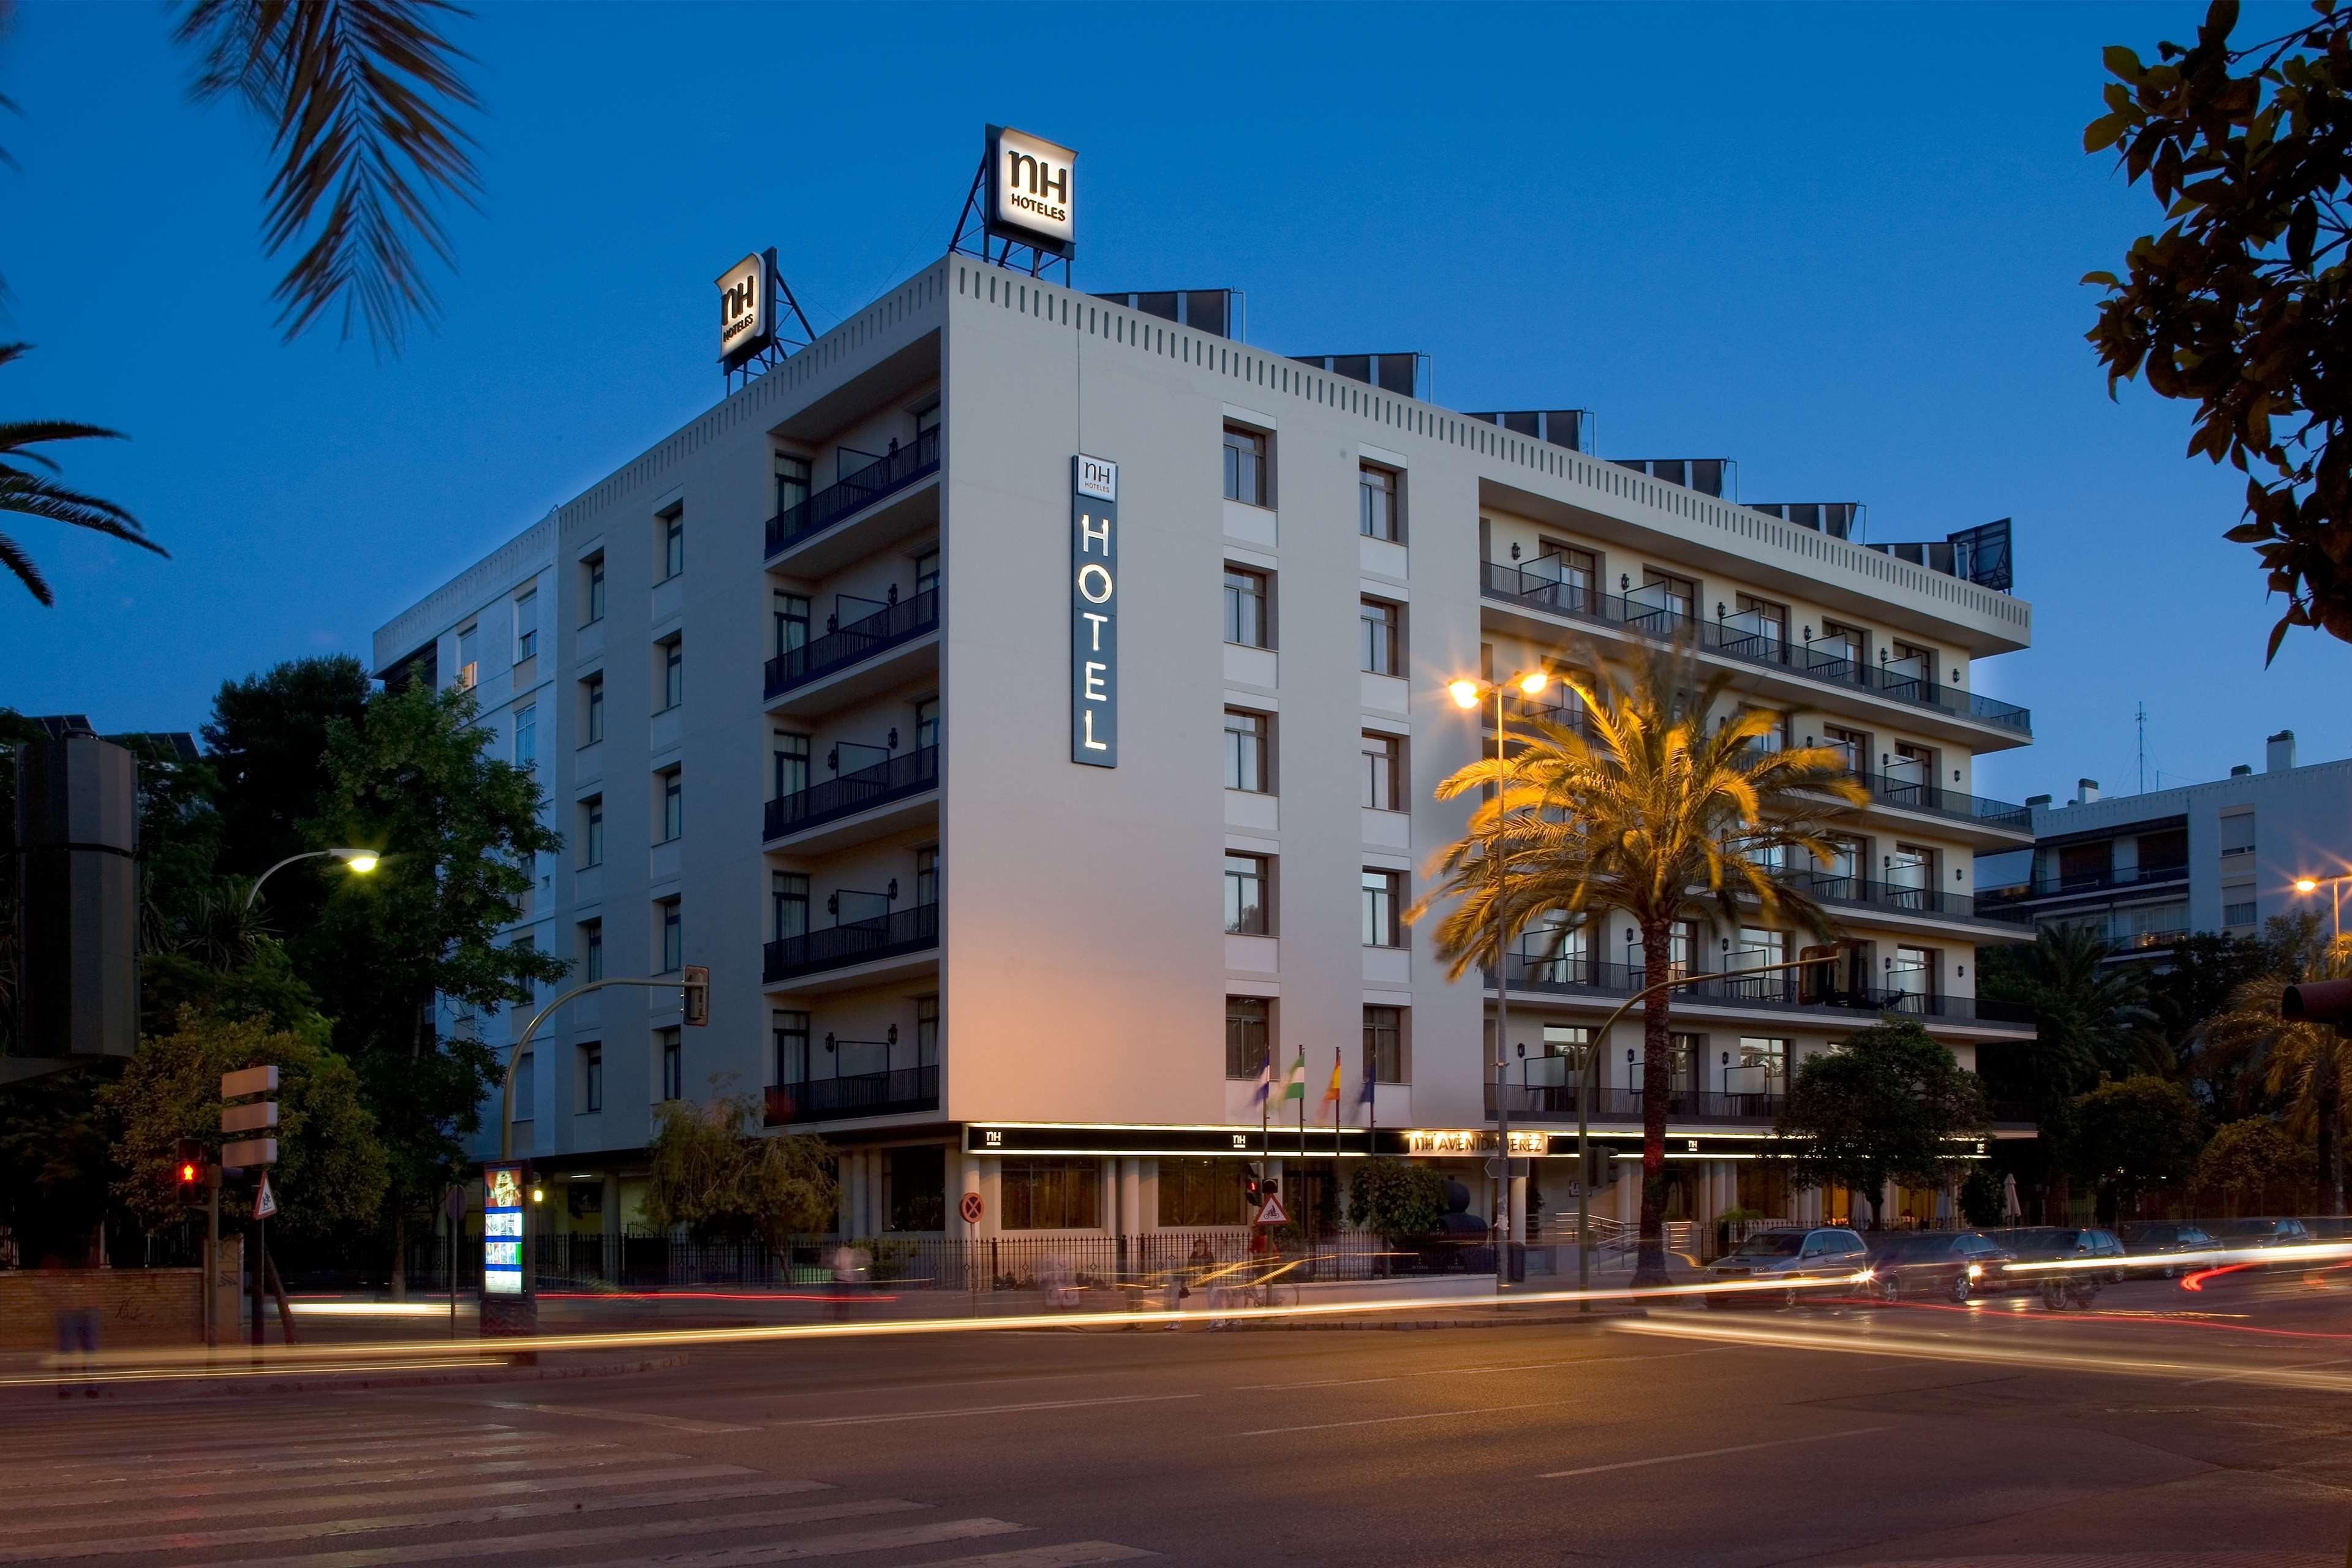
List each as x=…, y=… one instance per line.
x=1271, y=1214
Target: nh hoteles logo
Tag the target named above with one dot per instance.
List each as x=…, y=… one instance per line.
x=746, y=320
x=1032, y=186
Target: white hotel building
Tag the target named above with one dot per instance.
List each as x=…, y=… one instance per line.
x=798, y=683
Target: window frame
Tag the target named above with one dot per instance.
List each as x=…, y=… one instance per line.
x=526, y=615
x=592, y=1078
x=592, y=693
x=671, y=925
x=1247, y=466
x=1386, y=645
x=1249, y=752
x=670, y=539
x=1237, y=596
x=1393, y=490
x=1385, y=1039
x=1386, y=762
x=671, y=1050
x=1257, y=1013
x=592, y=591
x=673, y=672
x=1258, y=873
x=591, y=949
x=526, y=737
x=670, y=792
x=1382, y=895
x=591, y=831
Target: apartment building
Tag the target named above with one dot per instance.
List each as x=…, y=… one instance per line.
x=821, y=699
x=2142, y=872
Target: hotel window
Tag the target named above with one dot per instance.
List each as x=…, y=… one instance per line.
x=1912, y=662
x=526, y=739
x=927, y=572
x=927, y=420
x=593, y=595
x=673, y=672
x=2238, y=834
x=592, y=949
x=592, y=692
x=1913, y=972
x=927, y=722
x=592, y=1078
x=1379, y=644
x=1383, y=772
x=788, y=904
x=927, y=874
x=1763, y=619
x=673, y=1063
x=790, y=753
x=526, y=606
x=915, y=1187
x=1578, y=572
x=1245, y=753
x=927, y=1031
x=1247, y=908
x=470, y=659
x=673, y=542
x=791, y=481
x=1677, y=595
x=1376, y=503
x=1910, y=872
x=1248, y=1027
x=1194, y=1193
x=1841, y=641
x=673, y=937
x=1852, y=746
x=1052, y=1195
x=2238, y=914
x=592, y=832
x=1244, y=466
x=1760, y=1065
x=791, y=1041
x=791, y=612
x=1383, y=902
x=1249, y=603
x=673, y=804
x=1384, y=1044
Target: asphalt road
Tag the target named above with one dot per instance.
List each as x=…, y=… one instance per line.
x=2161, y=1426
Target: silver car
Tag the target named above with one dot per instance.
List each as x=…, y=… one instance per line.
x=1828, y=1252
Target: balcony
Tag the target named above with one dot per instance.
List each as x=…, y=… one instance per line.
x=1556, y=1102
x=859, y=640
x=890, y=1093
x=861, y=789
x=1826, y=664
x=1854, y=892
x=1911, y=795
x=2064, y=885
x=898, y=934
x=856, y=490
x=1784, y=992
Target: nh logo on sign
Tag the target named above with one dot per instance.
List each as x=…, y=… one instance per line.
x=1031, y=190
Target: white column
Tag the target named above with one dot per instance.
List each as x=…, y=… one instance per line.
x=1519, y=1209
x=990, y=1187
x=1106, y=1173
x=1130, y=1197
x=856, y=1174
x=1147, y=1191
x=845, y=1195
x=1629, y=1191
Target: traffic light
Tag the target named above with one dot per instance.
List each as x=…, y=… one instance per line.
x=697, y=986
x=1597, y=1174
x=188, y=1162
x=1251, y=1189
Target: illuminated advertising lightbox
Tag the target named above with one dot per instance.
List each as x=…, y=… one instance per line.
x=747, y=310
x=1093, y=612
x=502, y=1201
x=1031, y=187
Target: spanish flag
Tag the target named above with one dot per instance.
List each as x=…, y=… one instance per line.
x=1332, y=1094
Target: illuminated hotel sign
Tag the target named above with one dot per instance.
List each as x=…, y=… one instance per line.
x=1093, y=612
x=502, y=1197
x=1029, y=191
x=1435, y=1141
x=747, y=310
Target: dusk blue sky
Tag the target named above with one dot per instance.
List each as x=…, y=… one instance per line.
x=1840, y=244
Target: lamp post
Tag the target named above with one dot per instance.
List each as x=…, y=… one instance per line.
x=2334, y=897
x=1466, y=694
x=359, y=860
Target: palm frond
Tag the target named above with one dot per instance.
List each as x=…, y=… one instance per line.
x=30, y=494
x=363, y=97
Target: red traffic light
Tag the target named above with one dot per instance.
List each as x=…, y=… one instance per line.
x=187, y=1173
x=189, y=1161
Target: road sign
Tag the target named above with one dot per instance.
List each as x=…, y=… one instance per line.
x=265, y=1202
x=247, y=1152
x=453, y=1204
x=1271, y=1214
x=251, y=1080
x=257, y=1118
x=1512, y=1168
x=971, y=1208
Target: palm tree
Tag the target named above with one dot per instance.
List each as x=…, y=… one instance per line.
x=2308, y=1062
x=1657, y=817
x=33, y=491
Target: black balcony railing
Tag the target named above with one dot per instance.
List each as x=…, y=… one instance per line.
x=1546, y=1102
x=2058, y=886
x=1857, y=892
x=858, y=1094
x=901, y=932
x=861, y=639
x=1783, y=991
x=1910, y=794
x=1829, y=663
x=861, y=789
x=856, y=491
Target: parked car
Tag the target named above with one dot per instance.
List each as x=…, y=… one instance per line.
x=1952, y=1264
x=1828, y=1252
x=2270, y=1232
x=2064, y=1243
x=2160, y=1237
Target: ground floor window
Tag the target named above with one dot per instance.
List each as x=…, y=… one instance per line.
x=1053, y=1195
x=917, y=1181
x=1200, y=1192
x=1764, y=1189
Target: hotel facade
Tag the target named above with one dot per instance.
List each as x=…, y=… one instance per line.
x=817, y=691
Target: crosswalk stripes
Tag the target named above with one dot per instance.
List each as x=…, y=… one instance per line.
x=354, y=1494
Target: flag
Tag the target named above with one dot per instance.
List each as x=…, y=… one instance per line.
x=1364, y=1097
x=1332, y=1094
x=1265, y=1089
x=1296, y=1088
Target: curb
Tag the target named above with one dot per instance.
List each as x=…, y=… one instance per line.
x=1489, y=1321
x=295, y=1381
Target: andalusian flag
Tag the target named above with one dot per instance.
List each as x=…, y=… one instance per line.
x=1296, y=1088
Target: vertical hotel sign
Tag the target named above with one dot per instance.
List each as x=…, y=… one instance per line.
x=1093, y=612
x=502, y=1189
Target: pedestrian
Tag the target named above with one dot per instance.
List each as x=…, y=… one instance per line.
x=848, y=1266
x=77, y=1327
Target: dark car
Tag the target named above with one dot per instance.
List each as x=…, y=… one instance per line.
x=1794, y=1258
x=2063, y=1244
x=2158, y=1238
x=2261, y=1232
x=1950, y=1264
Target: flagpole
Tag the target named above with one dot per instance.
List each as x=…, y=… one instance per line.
x=1301, y=1071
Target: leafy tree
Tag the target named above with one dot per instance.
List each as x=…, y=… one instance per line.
x=2245, y=1159
x=332, y=1169
x=29, y=487
x=457, y=831
x=267, y=736
x=2306, y=1062
x=1657, y=815
x=1890, y=1104
x=2193, y=988
x=2133, y=1134
x=1981, y=1196
x=57, y=1161
x=1396, y=1198
x=715, y=1173
x=2240, y=306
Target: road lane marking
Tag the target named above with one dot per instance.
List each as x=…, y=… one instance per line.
x=2242, y=1376
x=244, y=1483
x=1073, y=1555
x=801, y=1550
x=505, y=1449
x=1705, y=1454
x=183, y=1540
x=1474, y=1371
x=618, y=1535
x=1384, y=1420
x=233, y=1503
x=986, y=1410
x=634, y=1417
x=459, y=1440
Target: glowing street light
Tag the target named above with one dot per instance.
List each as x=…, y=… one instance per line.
x=2335, y=896
x=359, y=860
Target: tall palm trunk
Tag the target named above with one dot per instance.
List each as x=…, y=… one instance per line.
x=1657, y=1067
x=2328, y=1090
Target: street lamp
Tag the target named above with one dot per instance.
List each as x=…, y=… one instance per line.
x=1466, y=694
x=2335, y=896
x=359, y=860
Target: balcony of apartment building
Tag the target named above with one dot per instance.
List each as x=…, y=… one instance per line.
x=1544, y=596
x=871, y=790
x=1910, y=901
x=875, y=934
x=1852, y=994
x=836, y=1079
x=2131, y=888
x=1560, y=1102
x=864, y=645
x=879, y=498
